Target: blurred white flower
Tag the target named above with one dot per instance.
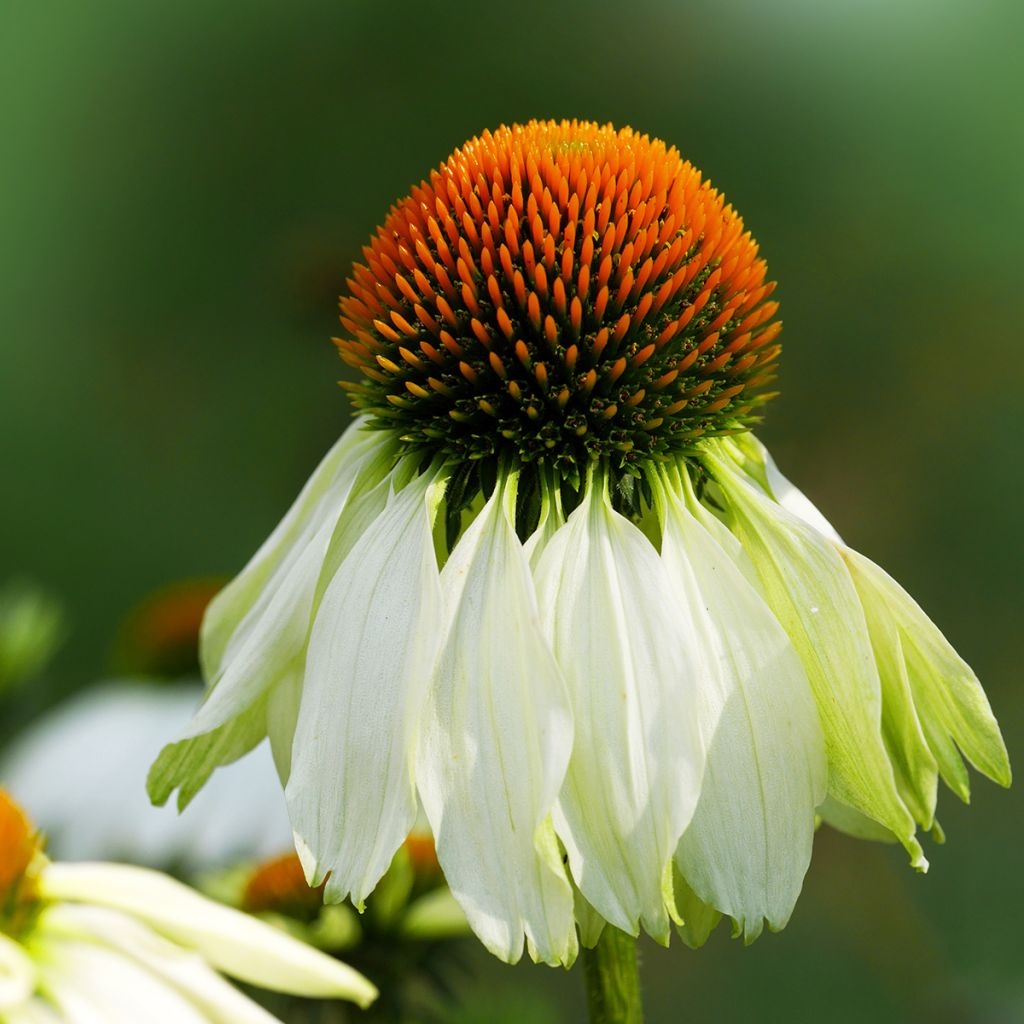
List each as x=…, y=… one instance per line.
x=91, y=943
x=82, y=769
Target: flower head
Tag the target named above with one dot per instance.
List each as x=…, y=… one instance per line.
x=549, y=588
x=121, y=944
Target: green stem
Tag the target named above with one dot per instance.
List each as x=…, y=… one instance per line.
x=613, y=979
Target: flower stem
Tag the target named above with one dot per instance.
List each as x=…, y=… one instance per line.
x=613, y=979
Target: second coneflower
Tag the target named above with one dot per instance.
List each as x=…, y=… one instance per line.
x=549, y=585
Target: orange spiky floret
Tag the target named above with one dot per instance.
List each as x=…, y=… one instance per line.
x=558, y=291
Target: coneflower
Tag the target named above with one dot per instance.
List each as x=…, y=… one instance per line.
x=550, y=586
x=118, y=944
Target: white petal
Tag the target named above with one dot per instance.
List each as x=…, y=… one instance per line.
x=186, y=972
x=749, y=845
x=637, y=760
x=90, y=984
x=351, y=793
x=791, y=497
x=17, y=975
x=273, y=632
x=323, y=495
x=808, y=587
x=268, y=645
x=231, y=941
x=494, y=748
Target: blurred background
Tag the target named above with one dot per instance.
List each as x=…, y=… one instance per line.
x=183, y=187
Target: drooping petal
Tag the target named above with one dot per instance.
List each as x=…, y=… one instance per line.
x=915, y=767
x=634, y=777
x=351, y=793
x=495, y=744
x=229, y=940
x=749, y=845
x=699, y=919
x=283, y=702
x=851, y=822
x=790, y=496
x=931, y=697
x=268, y=644
x=810, y=591
x=186, y=765
x=186, y=972
x=949, y=701
x=322, y=496
x=273, y=633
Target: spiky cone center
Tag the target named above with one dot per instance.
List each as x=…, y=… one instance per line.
x=20, y=848
x=556, y=292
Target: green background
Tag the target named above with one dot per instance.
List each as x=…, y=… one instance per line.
x=184, y=185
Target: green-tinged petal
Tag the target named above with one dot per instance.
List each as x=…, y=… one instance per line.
x=494, y=747
x=634, y=777
x=551, y=519
x=912, y=761
x=271, y=638
x=227, y=939
x=697, y=919
x=808, y=587
x=17, y=975
x=185, y=972
x=950, y=702
x=351, y=793
x=749, y=845
x=932, y=701
x=282, y=712
x=230, y=613
x=851, y=822
x=187, y=764
x=267, y=649
x=590, y=923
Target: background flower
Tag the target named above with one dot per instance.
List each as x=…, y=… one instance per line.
x=110, y=942
x=82, y=768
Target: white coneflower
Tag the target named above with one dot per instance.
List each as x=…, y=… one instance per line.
x=538, y=587
x=106, y=942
